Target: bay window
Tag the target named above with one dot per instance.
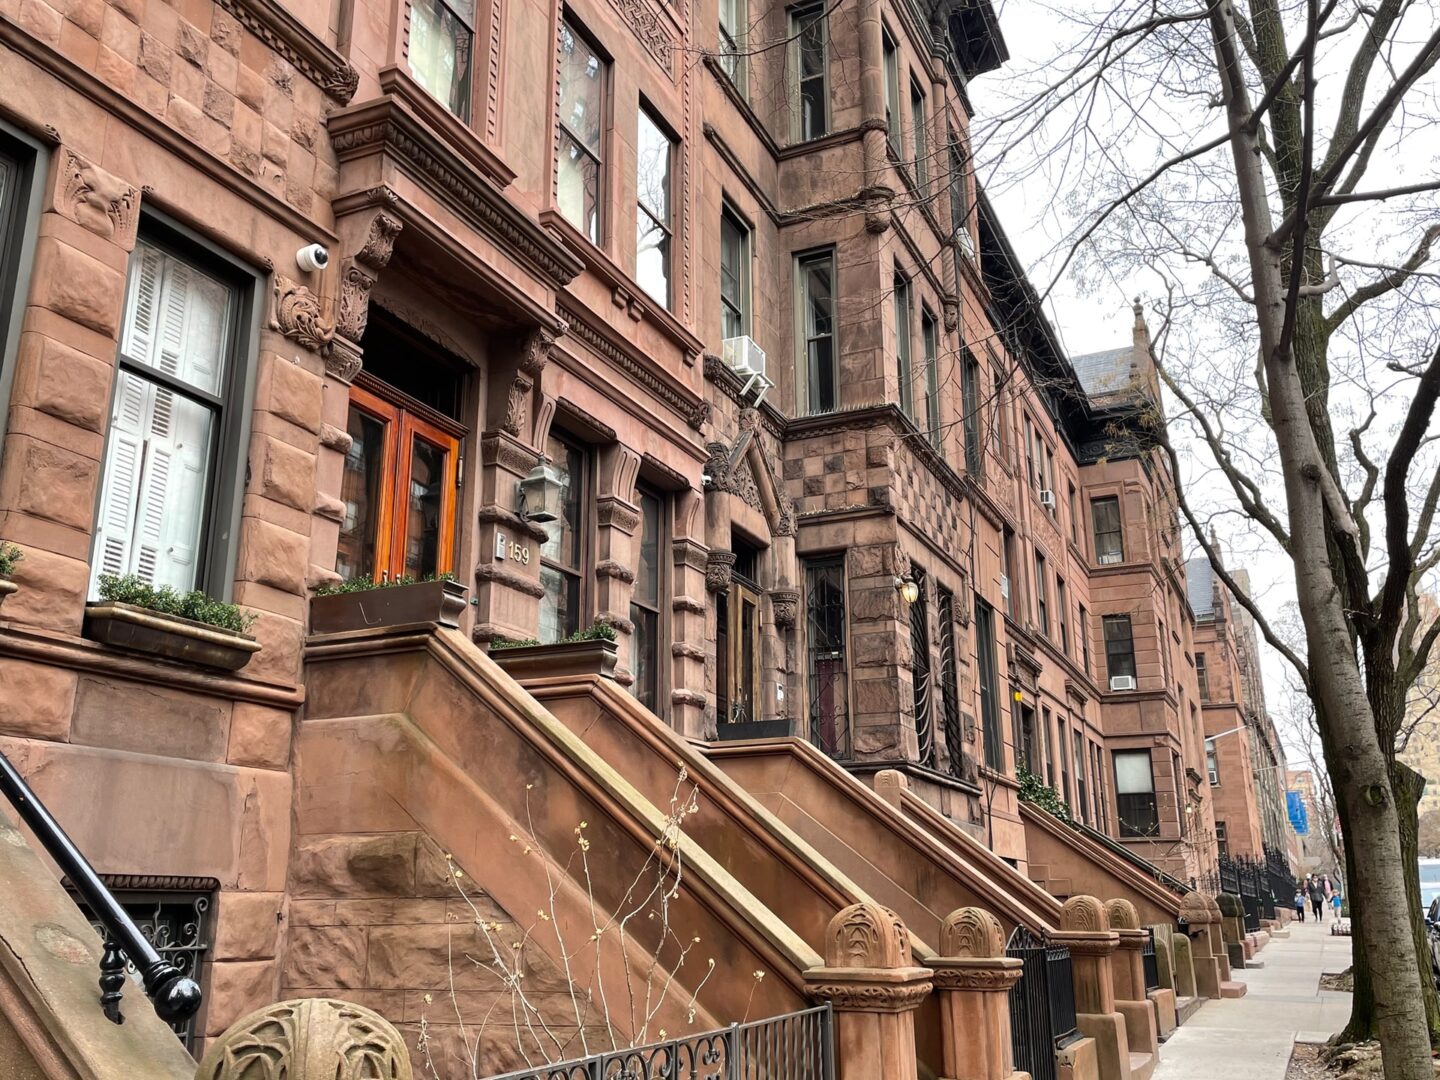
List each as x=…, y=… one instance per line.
x=1135, y=793
x=815, y=289
x=440, y=50
x=581, y=120
x=653, y=163
x=176, y=368
x=1119, y=648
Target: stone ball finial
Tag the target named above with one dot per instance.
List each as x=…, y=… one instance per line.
x=311, y=1039
x=1121, y=914
x=1194, y=909
x=972, y=932
x=867, y=935
x=1084, y=914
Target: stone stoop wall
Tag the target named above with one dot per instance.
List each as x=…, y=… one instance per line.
x=380, y=920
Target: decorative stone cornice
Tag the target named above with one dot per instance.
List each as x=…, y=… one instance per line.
x=989, y=975
x=293, y=41
x=645, y=20
x=495, y=574
x=503, y=449
x=881, y=990
x=386, y=126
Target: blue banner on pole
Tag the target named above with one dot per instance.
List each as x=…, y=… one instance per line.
x=1298, y=817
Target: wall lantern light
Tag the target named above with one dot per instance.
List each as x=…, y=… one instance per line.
x=542, y=494
x=909, y=591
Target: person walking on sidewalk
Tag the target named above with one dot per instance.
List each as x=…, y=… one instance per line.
x=1299, y=905
x=1337, y=902
x=1317, y=899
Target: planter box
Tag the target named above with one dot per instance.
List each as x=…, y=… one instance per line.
x=6, y=588
x=126, y=626
x=440, y=602
x=595, y=657
x=756, y=729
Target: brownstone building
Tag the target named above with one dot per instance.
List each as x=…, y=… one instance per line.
x=688, y=323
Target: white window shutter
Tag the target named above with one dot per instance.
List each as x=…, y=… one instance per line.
x=124, y=453
x=171, y=491
x=139, y=337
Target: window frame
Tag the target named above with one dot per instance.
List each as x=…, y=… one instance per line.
x=732, y=42
x=904, y=311
x=1202, y=676
x=563, y=130
x=1062, y=610
x=1042, y=593
x=1085, y=638
x=890, y=65
x=970, y=403
x=930, y=345
x=988, y=684
x=743, y=311
x=582, y=570
x=796, y=25
x=801, y=261
x=813, y=568
x=29, y=160
x=644, y=113
x=1128, y=831
x=1212, y=763
x=919, y=133
x=662, y=583
x=1110, y=654
x=1107, y=556
x=465, y=114
x=218, y=545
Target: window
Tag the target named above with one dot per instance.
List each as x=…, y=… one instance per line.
x=1009, y=583
x=970, y=402
x=930, y=338
x=1081, y=794
x=1119, y=647
x=959, y=205
x=989, y=684
x=1024, y=719
x=579, y=172
x=174, y=397
x=734, y=275
x=1105, y=515
x=1085, y=637
x=1049, y=479
x=1042, y=606
x=653, y=161
x=1062, y=610
x=1102, y=808
x=645, y=601
x=1202, y=676
x=808, y=65
x=1074, y=517
x=1030, y=471
x=562, y=555
x=737, y=651
x=815, y=281
x=1221, y=840
x=825, y=636
x=920, y=669
x=1064, y=755
x=1212, y=762
x=1135, y=793
x=440, y=47
x=892, y=91
x=921, y=140
x=732, y=41
x=1045, y=722
x=902, y=346
x=1178, y=775
x=949, y=686
x=21, y=182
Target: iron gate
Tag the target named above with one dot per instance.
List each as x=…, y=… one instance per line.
x=1152, y=966
x=1042, y=1003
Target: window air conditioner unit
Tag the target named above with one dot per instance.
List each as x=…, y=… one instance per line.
x=1047, y=498
x=1110, y=558
x=747, y=360
x=1122, y=682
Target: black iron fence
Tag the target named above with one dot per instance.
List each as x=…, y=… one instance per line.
x=175, y=995
x=797, y=1046
x=1152, y=966
x=1042, y=1003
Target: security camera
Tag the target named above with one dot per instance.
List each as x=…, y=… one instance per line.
x=312, y=257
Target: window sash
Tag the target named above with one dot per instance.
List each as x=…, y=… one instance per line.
x=970, y=397
x=817, y=330
x=645, y=601
x=810, y=62
x=734, y=275
x=430, y=38
x=930, y=335
x=732, y=40
x=989, y=684
x=903, y=363
x=583, y=67
x=1109, y=539
x=1042, y=590
x=919, y=135
x=892, y=91
x=1119, y=646
x=1061, y=606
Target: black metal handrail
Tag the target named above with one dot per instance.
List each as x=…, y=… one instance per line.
x=175, y=996
x=796, y=1046
x=1145, y=866
x=1152, y=965
x=1060, y=985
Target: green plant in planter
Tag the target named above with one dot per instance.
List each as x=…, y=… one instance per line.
x=164, y=600
x=9, y=556
x=597, y=632
x=1034, y=790
x=365, y=584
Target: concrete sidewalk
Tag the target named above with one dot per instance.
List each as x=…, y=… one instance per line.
x=1250, y=1038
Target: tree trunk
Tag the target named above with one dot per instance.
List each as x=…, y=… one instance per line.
x=1408, y=786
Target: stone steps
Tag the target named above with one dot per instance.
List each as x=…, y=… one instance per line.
x=1142, y=1066
x=1186, y=1007
x=1233, y=989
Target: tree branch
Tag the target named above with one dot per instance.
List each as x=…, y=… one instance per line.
x=1388, y=283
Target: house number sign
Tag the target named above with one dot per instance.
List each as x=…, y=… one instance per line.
x=505, y=548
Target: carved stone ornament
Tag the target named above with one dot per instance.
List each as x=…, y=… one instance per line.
x=1084, y=915
x=102, y=203
x=895, y=997
x=313, y=1039
x=614, y=512
x=297, y=316
x=719, y=565
x=1194, y=910
x=973, y=933
x=1121, y=914
x=343, y=361
x=358, y=276
x=785, y=604
x=516, y=402
x=987, y=976
x=866, y=936
x=287, y=36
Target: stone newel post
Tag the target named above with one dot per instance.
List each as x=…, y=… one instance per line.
x=310, y=1039
x=973, y=977
x=1085, y=930
x=1208, y=973
x=1131, y=999
x=874, y=987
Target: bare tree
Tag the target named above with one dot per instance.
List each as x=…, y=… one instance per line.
x=1299, y=346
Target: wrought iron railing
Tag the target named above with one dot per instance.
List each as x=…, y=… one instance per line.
x=1042, y=1004
x=176, y=996
x=1152, y=966
x=797, y=1046
x=1229, y=876
x=1248, y=874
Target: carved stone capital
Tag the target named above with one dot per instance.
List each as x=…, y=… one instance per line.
x=296, y=314
x=502, y=449
x=535, y=351
x=988, y=975
x=344, y=360
x=1091, y=943
x=313, y=1039
x=894, y=990
x=609, y=568
x=719, y=565
x=785, y=604
x=613, y=512
x=358, y=275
